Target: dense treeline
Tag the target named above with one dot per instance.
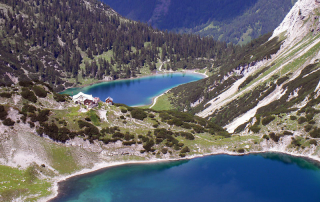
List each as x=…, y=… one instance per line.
x=50, y=38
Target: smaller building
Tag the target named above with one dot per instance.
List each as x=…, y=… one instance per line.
x=109, y=101
x=85, y=99
x=88, y=102
x=81, y=97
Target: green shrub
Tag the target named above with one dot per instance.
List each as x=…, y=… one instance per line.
x=182, y=155
x=287, y=133
x=308, y=127
x=32, y=125
x=6, y=95
x=28, y=108
x=293, y=118
x=295, y=142
x=124, y=110
x=186, y=126
x=128, y=143
x=315, y=133
x=241, y=150
x=302, y=119
x=164, y=150
x=187, y=135
x=274, y=137
x=26, y=83
x=151, y=116
x=255, y=128
x=240, y=128
x=266, y=120
x=265, y=137
x=175, y=121
x=138, y=114
x=90, y=129
x=43, y=115
x=28, y=95
x=197, y=128
x=312, y=122
x=8, y=122
x=118, y=135
x=60, y=97
x=314, y=142
x=185, y=149
x=39, y=91
x=148, y=146
x=3, y=113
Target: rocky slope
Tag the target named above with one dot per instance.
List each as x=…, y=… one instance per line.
x=275, y=99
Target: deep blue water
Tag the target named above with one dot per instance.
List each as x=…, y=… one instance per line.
x=138, y=91
x=221, y=178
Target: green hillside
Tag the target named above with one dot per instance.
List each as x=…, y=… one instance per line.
x=236, y=21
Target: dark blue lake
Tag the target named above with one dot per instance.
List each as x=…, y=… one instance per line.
x=222, y=178
x=140, y=91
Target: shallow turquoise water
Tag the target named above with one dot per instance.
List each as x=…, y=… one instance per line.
x=221, y=178
x=138, y=91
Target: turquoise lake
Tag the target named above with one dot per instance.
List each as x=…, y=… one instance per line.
x=266, y=177
x=139, y=91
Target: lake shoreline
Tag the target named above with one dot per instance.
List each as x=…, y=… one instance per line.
x=191, y=71
x=104, y=165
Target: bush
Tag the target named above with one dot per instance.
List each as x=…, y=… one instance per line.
x=138, y=114
x=43, y=115
x=129, y=143
x=60, y=97
x=188, y=136
x=8, y=122
x=6, y=95
x=124, y=110
x=295, y=142
x=197, y=128
x=241, y=150
x=302, y=119
x=287, y=133
x=32, y=125
x=3, y=113
x=315, y=133
x=265, y=137
x=255, y=128
x=185, y=149
x=164, y=150
x=274, y=137
x=266, y=120
x=308, y=127
x=151, y=116
x=28, y=108
x=26, y=83
x=148, y=146
x=182, y=155
x=293, y=118
x=314, y=142
x=118, y=135
x=90, y=129
x=28, y=95
x=39, y=91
